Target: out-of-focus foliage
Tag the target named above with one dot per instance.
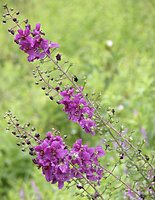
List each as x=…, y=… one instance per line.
x=124, y=74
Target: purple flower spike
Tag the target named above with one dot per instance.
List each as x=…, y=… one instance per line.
x=60, y=165
x=78, y=109
x=32, y=43
x=86, y=159
x=52, y=158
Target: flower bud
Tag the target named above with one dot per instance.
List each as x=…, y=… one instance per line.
x=58, y=57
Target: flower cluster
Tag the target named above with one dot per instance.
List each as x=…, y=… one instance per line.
x=78, y=109
x=32, y=43
x=59, y=164
x=51, y=157
x=86, y=159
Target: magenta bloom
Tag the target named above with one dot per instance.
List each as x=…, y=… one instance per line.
x=51, y=157
x=86, y=160
x=78, y=109
x=60, y=165
x=32, y=43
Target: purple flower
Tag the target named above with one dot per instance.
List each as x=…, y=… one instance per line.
x=60, y=165
x=78, y=109
x=86, y=159
x=51, y=157
x=32, y=43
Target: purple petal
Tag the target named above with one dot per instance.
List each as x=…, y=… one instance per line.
x=60, y=185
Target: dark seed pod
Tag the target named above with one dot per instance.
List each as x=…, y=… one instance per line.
x=17, y=136
x=34, y=161
x=75, y=78
x=146, y=157
x=33, y=129
x=31, y=153
x=113, y=111
x=13, y=132
x=15, y=19
x=139, y=151
x=28, y=124
x=26, y=21
x=142, y=196
x=58, y=102
x=121, y=156
x=58, y=57
x=4, y=6
x=43, y=88
x=57, y=88
x=28, y=142
x=31, y=149
x=79, y=186
x=37, y=135
x=12, y=32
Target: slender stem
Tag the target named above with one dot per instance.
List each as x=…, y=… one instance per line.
x=88, y=182
x=116, y=177
x=12, y=17
x=20, y=129
x=109, y=125
x=49, y=86
x=137, y=167
x=82, y=186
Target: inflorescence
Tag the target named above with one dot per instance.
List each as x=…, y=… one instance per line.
x=78, y=109
x=32, y=43
x=60, y=163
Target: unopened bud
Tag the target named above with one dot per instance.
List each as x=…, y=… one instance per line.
x=15, y=19
x=58, y=57
x=51, y=97
x=79, y=186
x=37, y=135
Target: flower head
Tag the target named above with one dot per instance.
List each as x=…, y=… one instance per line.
x=78, y=109
x=60, y=165
x=86, y=160
x=51, y=157
x=32, y=43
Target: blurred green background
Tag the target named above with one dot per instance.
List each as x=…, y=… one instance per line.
x=124, y=73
